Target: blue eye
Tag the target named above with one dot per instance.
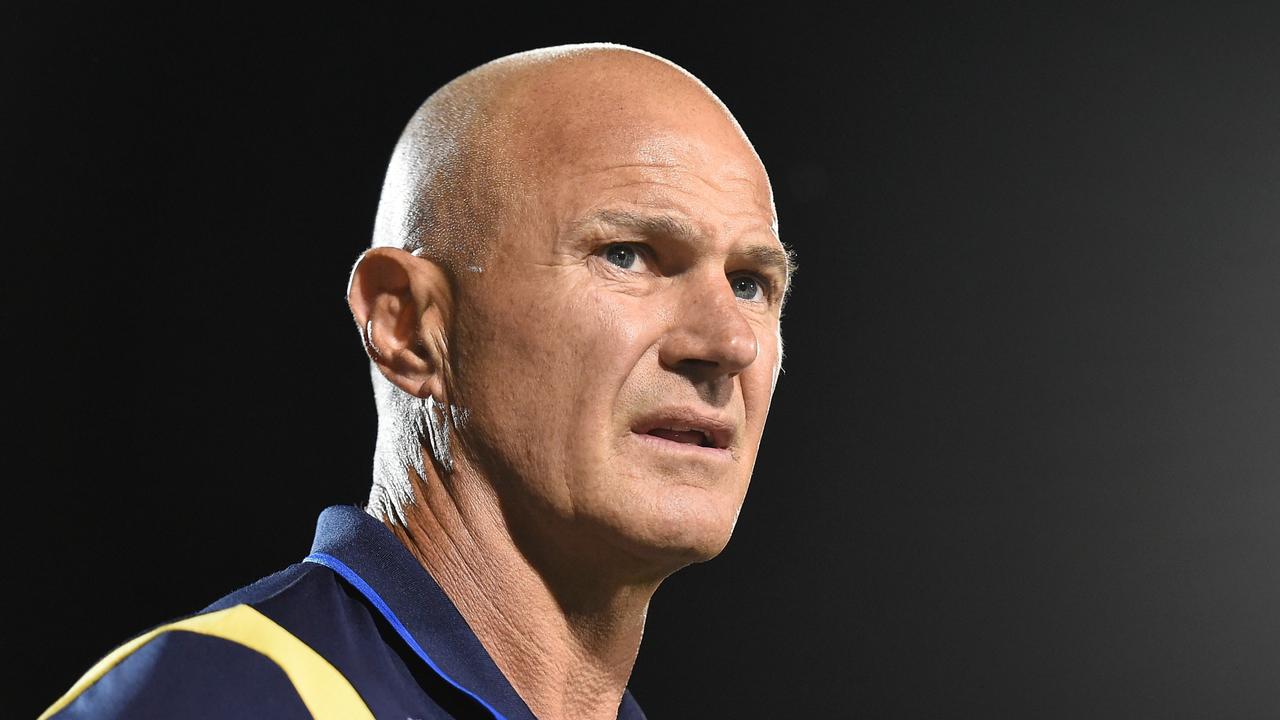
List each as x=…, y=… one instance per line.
x=624, y=256
x=747, y=288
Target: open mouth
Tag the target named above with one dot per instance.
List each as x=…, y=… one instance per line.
x=687, y=426
x=691, y=436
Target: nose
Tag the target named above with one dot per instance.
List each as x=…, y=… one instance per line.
x=709, y=336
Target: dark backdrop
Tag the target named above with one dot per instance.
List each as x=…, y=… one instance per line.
x=1023, y=461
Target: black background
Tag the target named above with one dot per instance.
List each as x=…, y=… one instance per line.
x=1024, y=458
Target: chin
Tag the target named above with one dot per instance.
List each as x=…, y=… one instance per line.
x=678, y=527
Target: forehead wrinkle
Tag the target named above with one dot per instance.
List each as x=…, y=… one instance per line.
x=718, y=183
x=663, y=202
x=646, y=223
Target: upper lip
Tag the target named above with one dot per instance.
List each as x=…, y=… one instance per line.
x=718, y=430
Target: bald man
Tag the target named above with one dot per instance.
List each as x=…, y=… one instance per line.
x=571, y=310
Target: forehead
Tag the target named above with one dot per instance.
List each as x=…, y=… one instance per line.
x=698, y=167
x=623, y=133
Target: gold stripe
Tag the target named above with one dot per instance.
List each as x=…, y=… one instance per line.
x=325, y=692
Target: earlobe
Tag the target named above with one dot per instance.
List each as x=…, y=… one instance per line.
x=398, y=302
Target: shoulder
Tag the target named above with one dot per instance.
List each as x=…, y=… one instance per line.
x=229, y=660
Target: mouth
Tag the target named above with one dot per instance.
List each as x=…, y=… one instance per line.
x=683, y=435
x=686, y=429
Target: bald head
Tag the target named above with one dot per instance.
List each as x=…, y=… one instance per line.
x=507, y=180
x=470, y=157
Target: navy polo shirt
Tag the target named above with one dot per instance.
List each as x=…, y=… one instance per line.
x=357, y=629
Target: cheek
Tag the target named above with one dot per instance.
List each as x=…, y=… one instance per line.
x=545, y=367
x=605, y=342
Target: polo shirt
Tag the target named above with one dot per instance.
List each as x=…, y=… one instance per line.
x=358, y=629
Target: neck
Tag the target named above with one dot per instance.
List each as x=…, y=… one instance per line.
x=565, y=636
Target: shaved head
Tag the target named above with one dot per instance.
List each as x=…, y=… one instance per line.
x=461, y=168
x=495, y=165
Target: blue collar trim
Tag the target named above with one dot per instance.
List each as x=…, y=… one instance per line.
x=369, y=557
x=366, y=554
x=365, y=589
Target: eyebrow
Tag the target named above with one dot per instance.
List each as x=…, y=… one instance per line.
x=781, y=259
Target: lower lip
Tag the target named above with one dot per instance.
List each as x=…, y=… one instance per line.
x=698, y=451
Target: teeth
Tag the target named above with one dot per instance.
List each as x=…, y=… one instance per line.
x=706, y=437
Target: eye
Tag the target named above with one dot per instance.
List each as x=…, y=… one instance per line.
x=624, y=255
x=747, y=287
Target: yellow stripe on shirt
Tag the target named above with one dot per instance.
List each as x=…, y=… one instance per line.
x=324, y=690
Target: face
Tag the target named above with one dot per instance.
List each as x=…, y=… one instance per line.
x=619, y=349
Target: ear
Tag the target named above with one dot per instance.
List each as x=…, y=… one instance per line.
x=400, y=303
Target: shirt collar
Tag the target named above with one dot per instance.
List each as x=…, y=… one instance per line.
x=361, y=549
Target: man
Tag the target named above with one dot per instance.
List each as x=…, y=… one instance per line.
x=571, y=309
